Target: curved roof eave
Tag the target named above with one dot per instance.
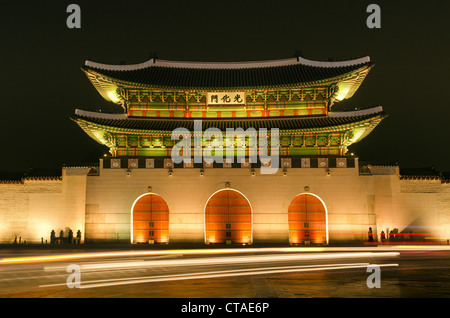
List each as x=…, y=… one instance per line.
x=111, y=80
x=226, y=65
x=100, y=120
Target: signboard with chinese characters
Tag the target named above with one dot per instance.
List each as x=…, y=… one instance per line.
x=226, y=98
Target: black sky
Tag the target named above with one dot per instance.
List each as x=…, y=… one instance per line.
x=42, y=83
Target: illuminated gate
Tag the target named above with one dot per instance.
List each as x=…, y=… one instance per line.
x=307, y=220
x=228, y=218
x=150, y=219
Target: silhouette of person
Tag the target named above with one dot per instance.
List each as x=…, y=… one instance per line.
x=70, y=237
x=370, y=235
x=79, y=236
x=383, y=236
x=52, y=237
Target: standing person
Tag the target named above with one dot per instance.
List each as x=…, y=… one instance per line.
x=52, y=237
x=79, y=237
x=383, y=236
x=70, y=237
x=370, y=234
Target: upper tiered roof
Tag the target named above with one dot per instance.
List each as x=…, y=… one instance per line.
x=226, y=75
x=273, y=74
x=294, y=95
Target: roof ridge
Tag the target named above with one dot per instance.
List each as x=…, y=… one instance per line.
x=368, y=111
x=87, y=113
x=226, y=65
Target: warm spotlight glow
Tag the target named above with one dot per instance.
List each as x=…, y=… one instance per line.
x=149, y=219
x=343, y=91
x=228, y=218
x=308, y=220
x=99, y=136
x=65, y=257
x=113, y=97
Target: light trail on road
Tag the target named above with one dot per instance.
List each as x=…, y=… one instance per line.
x=249, y=272
x=229, y=260
x=65, y=257
x=218, y=251
x=220, y=274
x=198, y=264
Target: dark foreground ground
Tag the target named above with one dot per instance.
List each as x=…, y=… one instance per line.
x=405, y=272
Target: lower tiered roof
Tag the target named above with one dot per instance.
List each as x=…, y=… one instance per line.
x=330, y=134
x=122, y=122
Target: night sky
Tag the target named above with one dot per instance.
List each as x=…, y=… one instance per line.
x=42, y=83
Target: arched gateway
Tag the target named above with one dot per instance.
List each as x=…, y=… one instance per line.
x=228, y=218
x=150, y=219
x=308, y=220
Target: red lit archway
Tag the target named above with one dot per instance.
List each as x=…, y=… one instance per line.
x=228, y=218
x=307, y=215
x=150, y=219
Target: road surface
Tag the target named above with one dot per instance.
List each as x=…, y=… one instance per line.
x=404, y=272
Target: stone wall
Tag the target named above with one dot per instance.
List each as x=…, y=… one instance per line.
x=100, y=205
x=110, y=196
x=354, y=201
x=32, y=208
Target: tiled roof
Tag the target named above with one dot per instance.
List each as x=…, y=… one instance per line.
x=176, y=75
x=420, y=173
x=30, y=174
x=283, y=123
x=11, y=175
x=446, y=176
